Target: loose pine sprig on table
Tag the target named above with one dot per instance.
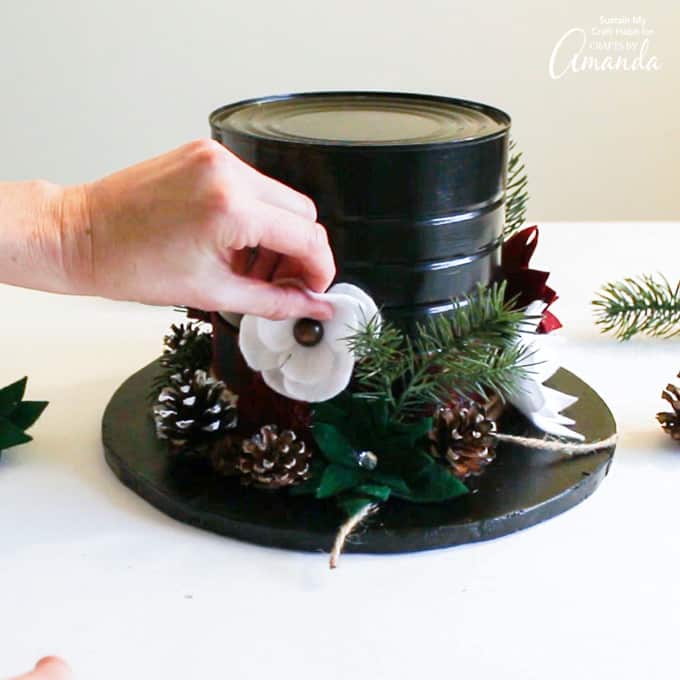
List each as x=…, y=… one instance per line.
x=639, y=305
x=472, y=350
x=516, y=193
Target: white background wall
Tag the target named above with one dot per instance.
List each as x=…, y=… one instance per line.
x=88, y=86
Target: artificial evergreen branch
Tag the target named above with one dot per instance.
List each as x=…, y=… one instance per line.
x=642, y=305
x=473, y=350
x=516, y=193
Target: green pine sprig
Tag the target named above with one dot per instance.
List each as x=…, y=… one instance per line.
x=17, y=415
x=516, y=192
x=644, y=305
x=472, y=350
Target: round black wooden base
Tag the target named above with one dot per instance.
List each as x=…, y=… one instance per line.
x=523, y=487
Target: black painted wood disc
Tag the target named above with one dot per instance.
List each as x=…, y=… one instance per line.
x=519, y=489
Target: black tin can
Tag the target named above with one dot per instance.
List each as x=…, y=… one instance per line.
x=410, y=187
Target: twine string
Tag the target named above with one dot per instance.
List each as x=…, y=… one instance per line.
x=346, y=529
x=568, y=448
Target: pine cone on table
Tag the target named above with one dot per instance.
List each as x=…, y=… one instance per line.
x=670, y=420
x=270, y=460
x=461, y=436
x=194, y=411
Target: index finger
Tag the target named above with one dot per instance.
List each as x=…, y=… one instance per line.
x=271, y=190
x=289, y=234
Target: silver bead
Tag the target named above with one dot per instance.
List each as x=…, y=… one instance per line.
x=367, y=460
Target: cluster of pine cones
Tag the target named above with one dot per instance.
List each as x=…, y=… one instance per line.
x=461, y=438
x=197, y=415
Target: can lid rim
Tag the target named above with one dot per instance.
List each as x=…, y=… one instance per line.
x=218, y=116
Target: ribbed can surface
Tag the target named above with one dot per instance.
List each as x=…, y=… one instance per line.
x=410, y=187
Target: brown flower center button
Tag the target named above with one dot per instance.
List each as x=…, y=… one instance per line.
x=308, y=332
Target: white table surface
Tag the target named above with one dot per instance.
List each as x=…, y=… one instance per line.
x=90, y=571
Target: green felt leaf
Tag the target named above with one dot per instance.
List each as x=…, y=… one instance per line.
x=11, y=435
x=310, y=485
x=394, y=482
x=338, y=478
x=376, y=411
x=333, y=444
x=334, y=411
x=348, y=424
x=397, y=459
x=351, y=505
x=432, y=484
x=411, y=432
x=11, y=395
x=26, y=413
x=381, y=493
x=352, y=414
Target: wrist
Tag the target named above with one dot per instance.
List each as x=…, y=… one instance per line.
x=74, y=239
x=36, y=245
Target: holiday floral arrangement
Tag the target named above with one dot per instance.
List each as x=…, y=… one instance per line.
x=356, y=411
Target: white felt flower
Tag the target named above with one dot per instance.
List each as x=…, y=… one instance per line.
x=306, y=359
x=540, y=404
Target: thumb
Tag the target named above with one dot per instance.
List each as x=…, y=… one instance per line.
x=274, y=300
x=48, y=668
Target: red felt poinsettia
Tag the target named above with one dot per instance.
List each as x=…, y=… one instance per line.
x=524, y=283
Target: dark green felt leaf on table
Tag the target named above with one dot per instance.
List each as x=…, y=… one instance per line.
x=26, y=413
x=11, y=395
x=17, y=415
x=11, y=435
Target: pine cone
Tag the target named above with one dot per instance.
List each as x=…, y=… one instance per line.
x=670, y=421
x=461, y=436
x=194, y=411
x=186, y=347
x=270, y=460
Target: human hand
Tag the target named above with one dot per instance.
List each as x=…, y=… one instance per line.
x=49, y=668
x=181, y=229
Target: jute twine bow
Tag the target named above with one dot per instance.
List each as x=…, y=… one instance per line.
x=569, y=449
